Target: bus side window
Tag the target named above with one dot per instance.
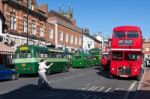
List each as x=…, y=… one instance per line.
x=29, y=54
x=42, y=55
x=50, y=55
x=17, y=56
x=54, y=55
x=46, y=55
x=37, y=54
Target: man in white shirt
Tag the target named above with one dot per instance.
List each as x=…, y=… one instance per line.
x=42, y=71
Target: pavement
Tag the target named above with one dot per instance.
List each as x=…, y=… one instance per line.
x=143, y=90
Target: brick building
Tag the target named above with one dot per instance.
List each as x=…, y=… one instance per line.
x=27, y=22
x=23, y=22
x=67, y=34
x=146, y=47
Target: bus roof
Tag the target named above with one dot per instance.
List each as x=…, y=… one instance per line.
x=30, y=47
x=127, y=28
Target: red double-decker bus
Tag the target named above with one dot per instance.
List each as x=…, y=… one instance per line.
x=126, y=52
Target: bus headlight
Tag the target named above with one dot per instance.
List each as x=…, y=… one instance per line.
x=23, y=65
x=135, y=70
x=113, y=69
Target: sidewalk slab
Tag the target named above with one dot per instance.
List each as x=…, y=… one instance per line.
x=143, y=91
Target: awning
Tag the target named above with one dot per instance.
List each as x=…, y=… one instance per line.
x=5, y=48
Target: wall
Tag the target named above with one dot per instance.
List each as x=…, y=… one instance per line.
x=87, y=41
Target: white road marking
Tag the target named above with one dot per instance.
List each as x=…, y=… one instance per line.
x=95, y=88
x=84, y=88
x=91, y=88
x=108, y=89
x=101, y=89
x=130, y=89
x=119, y=89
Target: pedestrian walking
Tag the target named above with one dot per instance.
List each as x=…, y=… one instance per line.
x=42, y=76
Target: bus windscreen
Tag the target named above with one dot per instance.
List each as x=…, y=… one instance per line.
x=119, y=34
x=117, y=55
x=132, y=35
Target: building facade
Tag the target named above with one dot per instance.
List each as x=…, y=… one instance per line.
x=29, y=23
x=67, y=34
x=97, y=44
x=26, y=23
x=100, y=38
x=2, y=19
x=88, y=42
x=146, y=47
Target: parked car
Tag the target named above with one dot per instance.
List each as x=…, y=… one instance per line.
x=7, y=74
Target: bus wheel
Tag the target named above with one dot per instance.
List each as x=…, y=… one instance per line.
x=102, y=68
x=65, y=69
x=139, y=77
x=17, y=76
x=111, y=76
x=48, y=72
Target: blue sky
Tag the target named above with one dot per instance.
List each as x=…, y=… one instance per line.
x=104, y=15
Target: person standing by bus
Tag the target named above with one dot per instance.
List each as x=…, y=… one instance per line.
x=42, y=71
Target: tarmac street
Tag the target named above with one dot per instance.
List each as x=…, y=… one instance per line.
x=88, y=83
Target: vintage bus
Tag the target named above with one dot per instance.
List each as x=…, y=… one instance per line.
x=27, y=58
x=126, y=52
x=96, y=54
x=105, y=60
x=81, y=60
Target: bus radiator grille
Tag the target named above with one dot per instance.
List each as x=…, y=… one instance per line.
x=124, y=71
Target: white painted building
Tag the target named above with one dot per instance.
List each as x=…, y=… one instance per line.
x=100, y=38
x=88, y=42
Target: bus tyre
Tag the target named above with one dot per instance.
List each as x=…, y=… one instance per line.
x=67, y=69
x=111, y=76
x=17, y=76
x=139, y=77
x=48, y=72
x=102, y=68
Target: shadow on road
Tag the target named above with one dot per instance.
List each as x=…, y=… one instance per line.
x=32, y=92
x=105, y=73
